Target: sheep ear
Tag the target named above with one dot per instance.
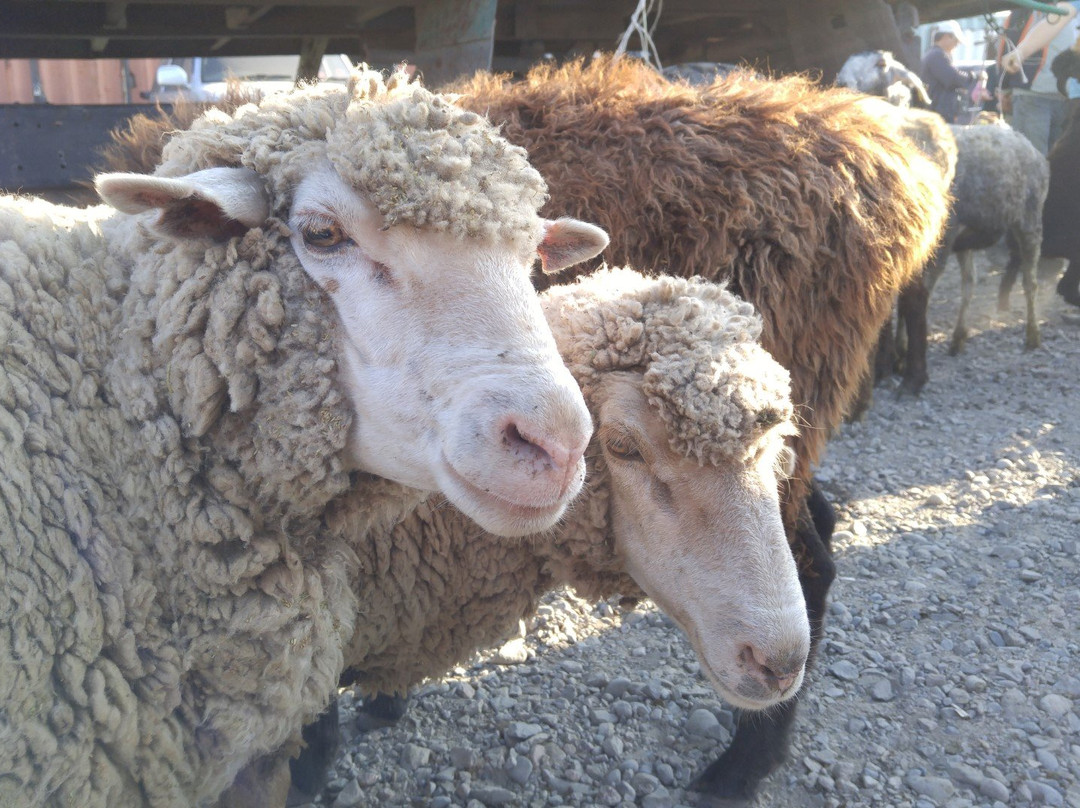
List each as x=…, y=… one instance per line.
x=567, y=242
x=217, y=203
x=912, y=81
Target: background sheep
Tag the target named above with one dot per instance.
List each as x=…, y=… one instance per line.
x=184, y=401
x=998, y=187
x=812, y=208
x=1061, y=236
x=877, y=72
x=682, y=504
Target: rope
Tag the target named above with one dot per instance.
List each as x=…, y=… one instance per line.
x=639, y=24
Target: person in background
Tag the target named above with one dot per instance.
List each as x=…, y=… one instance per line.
x=1039, y=110
x=946, y=83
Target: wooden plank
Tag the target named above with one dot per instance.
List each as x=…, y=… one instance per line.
x=454, y=38
x=45, y=147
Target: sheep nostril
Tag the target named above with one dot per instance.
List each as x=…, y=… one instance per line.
x=774, y=677
x=525, y=447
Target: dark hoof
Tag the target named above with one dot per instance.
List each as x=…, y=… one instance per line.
x=1068, y=291
x=1032, y=342
x=1003, y=304
x=956, y=347
x=380, y=711
x=910, y=386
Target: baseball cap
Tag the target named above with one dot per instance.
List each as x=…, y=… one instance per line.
x=952, y=27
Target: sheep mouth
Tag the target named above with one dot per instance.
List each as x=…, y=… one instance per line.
x=731, y=694
x=489, y=501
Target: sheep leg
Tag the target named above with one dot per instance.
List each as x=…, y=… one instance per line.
x=1029, y=266
x=1068, y=286
x=1012, y=269
x=761, y=740
x=967, y=289
x=322, y=739
x=912, y=303
x=262, y=783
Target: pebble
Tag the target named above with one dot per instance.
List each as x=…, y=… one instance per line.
x=492, y=795
x=1057, y=706
x=350, y=796
x=522, y=730
x=704, y=724
x=414, y=757
x=845, y=670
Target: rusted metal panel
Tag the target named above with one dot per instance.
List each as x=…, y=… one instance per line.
x=454, y=38
x=45, y=147
x=72, y=81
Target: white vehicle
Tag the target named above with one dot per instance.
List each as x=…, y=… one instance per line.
x=204, y=78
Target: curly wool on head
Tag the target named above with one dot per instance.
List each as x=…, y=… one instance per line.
x=421, y=160
x=705, y=372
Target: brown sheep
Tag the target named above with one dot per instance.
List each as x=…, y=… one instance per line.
x=802, y=198
x=809, y=205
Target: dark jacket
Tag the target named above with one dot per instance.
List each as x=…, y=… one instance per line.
x=943, y=83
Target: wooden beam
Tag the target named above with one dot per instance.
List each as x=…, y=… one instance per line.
x=312, y=50
x=53, y=20
x=454, y=38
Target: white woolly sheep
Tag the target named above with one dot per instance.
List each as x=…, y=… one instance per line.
x=336, y=286
x=681, y=505
x=877, y=72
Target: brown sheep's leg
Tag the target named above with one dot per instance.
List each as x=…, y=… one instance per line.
x=322, y=738
x=761, y=740
x=912, y=305
x=308, y=770
x=1069, y=284
x=263, y=783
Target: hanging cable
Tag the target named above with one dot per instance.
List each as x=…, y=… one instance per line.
x=639, y=24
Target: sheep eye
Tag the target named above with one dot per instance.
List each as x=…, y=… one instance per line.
x=323, y=236
x=623, y=448
x=768, y=417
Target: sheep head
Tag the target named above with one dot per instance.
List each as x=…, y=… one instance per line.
x=417, y=225
x=691, y=416
x=878, y=73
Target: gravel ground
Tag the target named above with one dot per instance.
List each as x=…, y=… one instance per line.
x=948, y=675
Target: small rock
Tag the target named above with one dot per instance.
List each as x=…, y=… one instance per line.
x=618, y=687
x=613, y=745
x=994, y=789
x=462, y=758
x=703, y=724
x=522, y=731
x=938, y=500
x=645, y=783
x=520, y=769
x=513, y=652
x=845, y=670
x=414, y=757
x=937, y=789
x=882, y=690
x=350, y=796
x=1057, y=706
x=492, y=795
